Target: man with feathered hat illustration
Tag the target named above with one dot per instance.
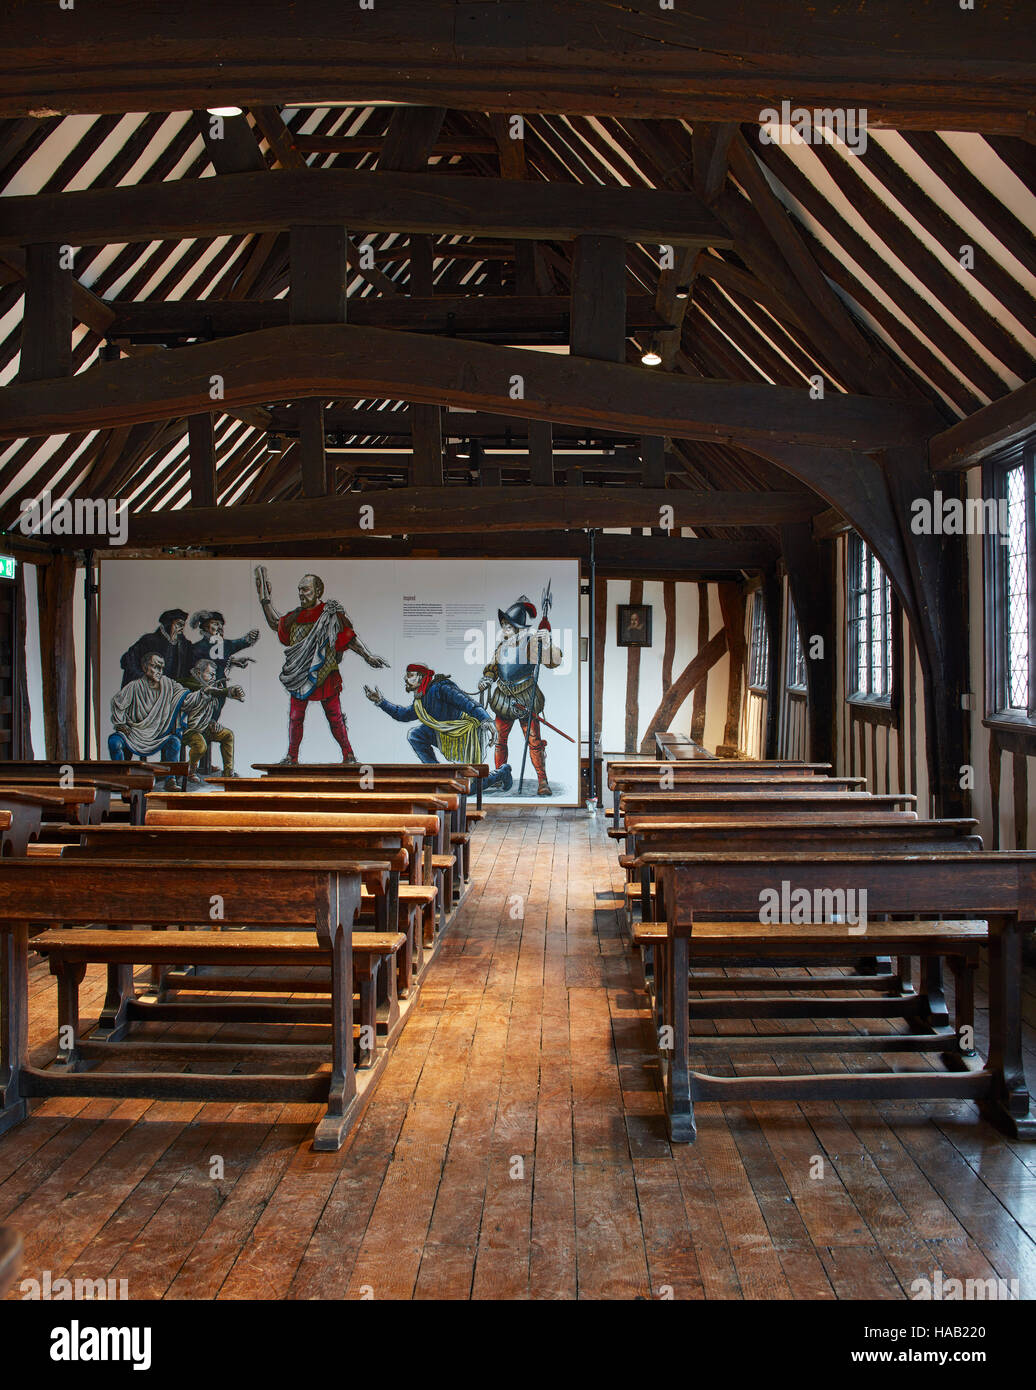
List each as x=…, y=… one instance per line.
x=447, y=718
x=213, y=646
x=316, y=635
x=510, y=685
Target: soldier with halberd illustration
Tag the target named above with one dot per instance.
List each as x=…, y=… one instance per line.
x=510, y=686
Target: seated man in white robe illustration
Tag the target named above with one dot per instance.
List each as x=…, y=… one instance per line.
x=150, y=715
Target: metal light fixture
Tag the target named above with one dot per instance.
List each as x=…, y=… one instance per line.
x=682, y=291
x=651, y=356
x=275, y=444
x=225, y=110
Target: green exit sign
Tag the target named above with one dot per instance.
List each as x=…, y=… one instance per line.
x=7, y=564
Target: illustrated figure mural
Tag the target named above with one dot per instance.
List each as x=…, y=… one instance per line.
x=168, y=642
x=203, y=727
x=316, y=635
x=150, y=715
x=212, y=645
x=448, y=719
x=511, y=689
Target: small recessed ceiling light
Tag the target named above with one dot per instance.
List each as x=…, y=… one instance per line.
x=225, y=110
x=682, y=291
x=650, y=358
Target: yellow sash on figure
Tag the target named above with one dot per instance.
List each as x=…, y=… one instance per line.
x=459, y=739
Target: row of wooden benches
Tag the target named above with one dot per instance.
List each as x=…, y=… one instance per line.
x=351, y=885
x=708, y=845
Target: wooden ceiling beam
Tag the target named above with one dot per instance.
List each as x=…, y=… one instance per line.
x=618, y=556
x=995, y=426
x=364, y=144
x=490, y=316
x=331, y=360
x=900, y=59
x=386, y=201
x=478, y=510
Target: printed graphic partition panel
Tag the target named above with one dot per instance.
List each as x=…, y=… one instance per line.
x=182, y=674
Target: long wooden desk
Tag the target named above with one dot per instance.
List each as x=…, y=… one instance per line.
x=395, y=848
x=997, y=886
x=321, y=898
x=769, y=801
x=134, y=780
x=25, y=808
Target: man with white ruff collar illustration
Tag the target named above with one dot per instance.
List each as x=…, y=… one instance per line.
x=316, y=634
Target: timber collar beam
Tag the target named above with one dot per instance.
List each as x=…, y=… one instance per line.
x=362, y=202
x=338, y=360
x=474, y=511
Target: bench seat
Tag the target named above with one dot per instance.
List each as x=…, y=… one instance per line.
x=70, y=951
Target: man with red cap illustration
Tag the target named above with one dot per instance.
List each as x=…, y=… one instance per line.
x=316, y=635
x=510, y=686
x=447, y=719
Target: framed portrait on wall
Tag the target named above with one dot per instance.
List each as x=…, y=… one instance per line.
x=634, y=625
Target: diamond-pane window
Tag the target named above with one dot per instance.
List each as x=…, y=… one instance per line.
x=1010, y=481
x=870, y=625
x=796, y=654
x=759, y=646
x=1018, y=548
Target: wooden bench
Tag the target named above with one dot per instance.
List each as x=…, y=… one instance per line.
x=25, y=808
x=134, y=779
x=671, y=745
x=454, y=789
x=476, y=771
x=767, y=802
x=426, y=830
x=317, y=899
x=894, y=833
x=667, y=782
x=392, y=905
x=442, y=864
x=950, y=891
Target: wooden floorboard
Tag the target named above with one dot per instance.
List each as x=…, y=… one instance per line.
x=515, y=1145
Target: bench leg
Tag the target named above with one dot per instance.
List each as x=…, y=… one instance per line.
x=645, y=895
x=14, y=1021
x=404, y=965
x=70, y=977
x=113, y=1023
x=934, y=992
x=331, y=1130
x=387, y=993
x=366, y=985
x=678, y=1103
x=964, y=971
x=1008, y=1104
